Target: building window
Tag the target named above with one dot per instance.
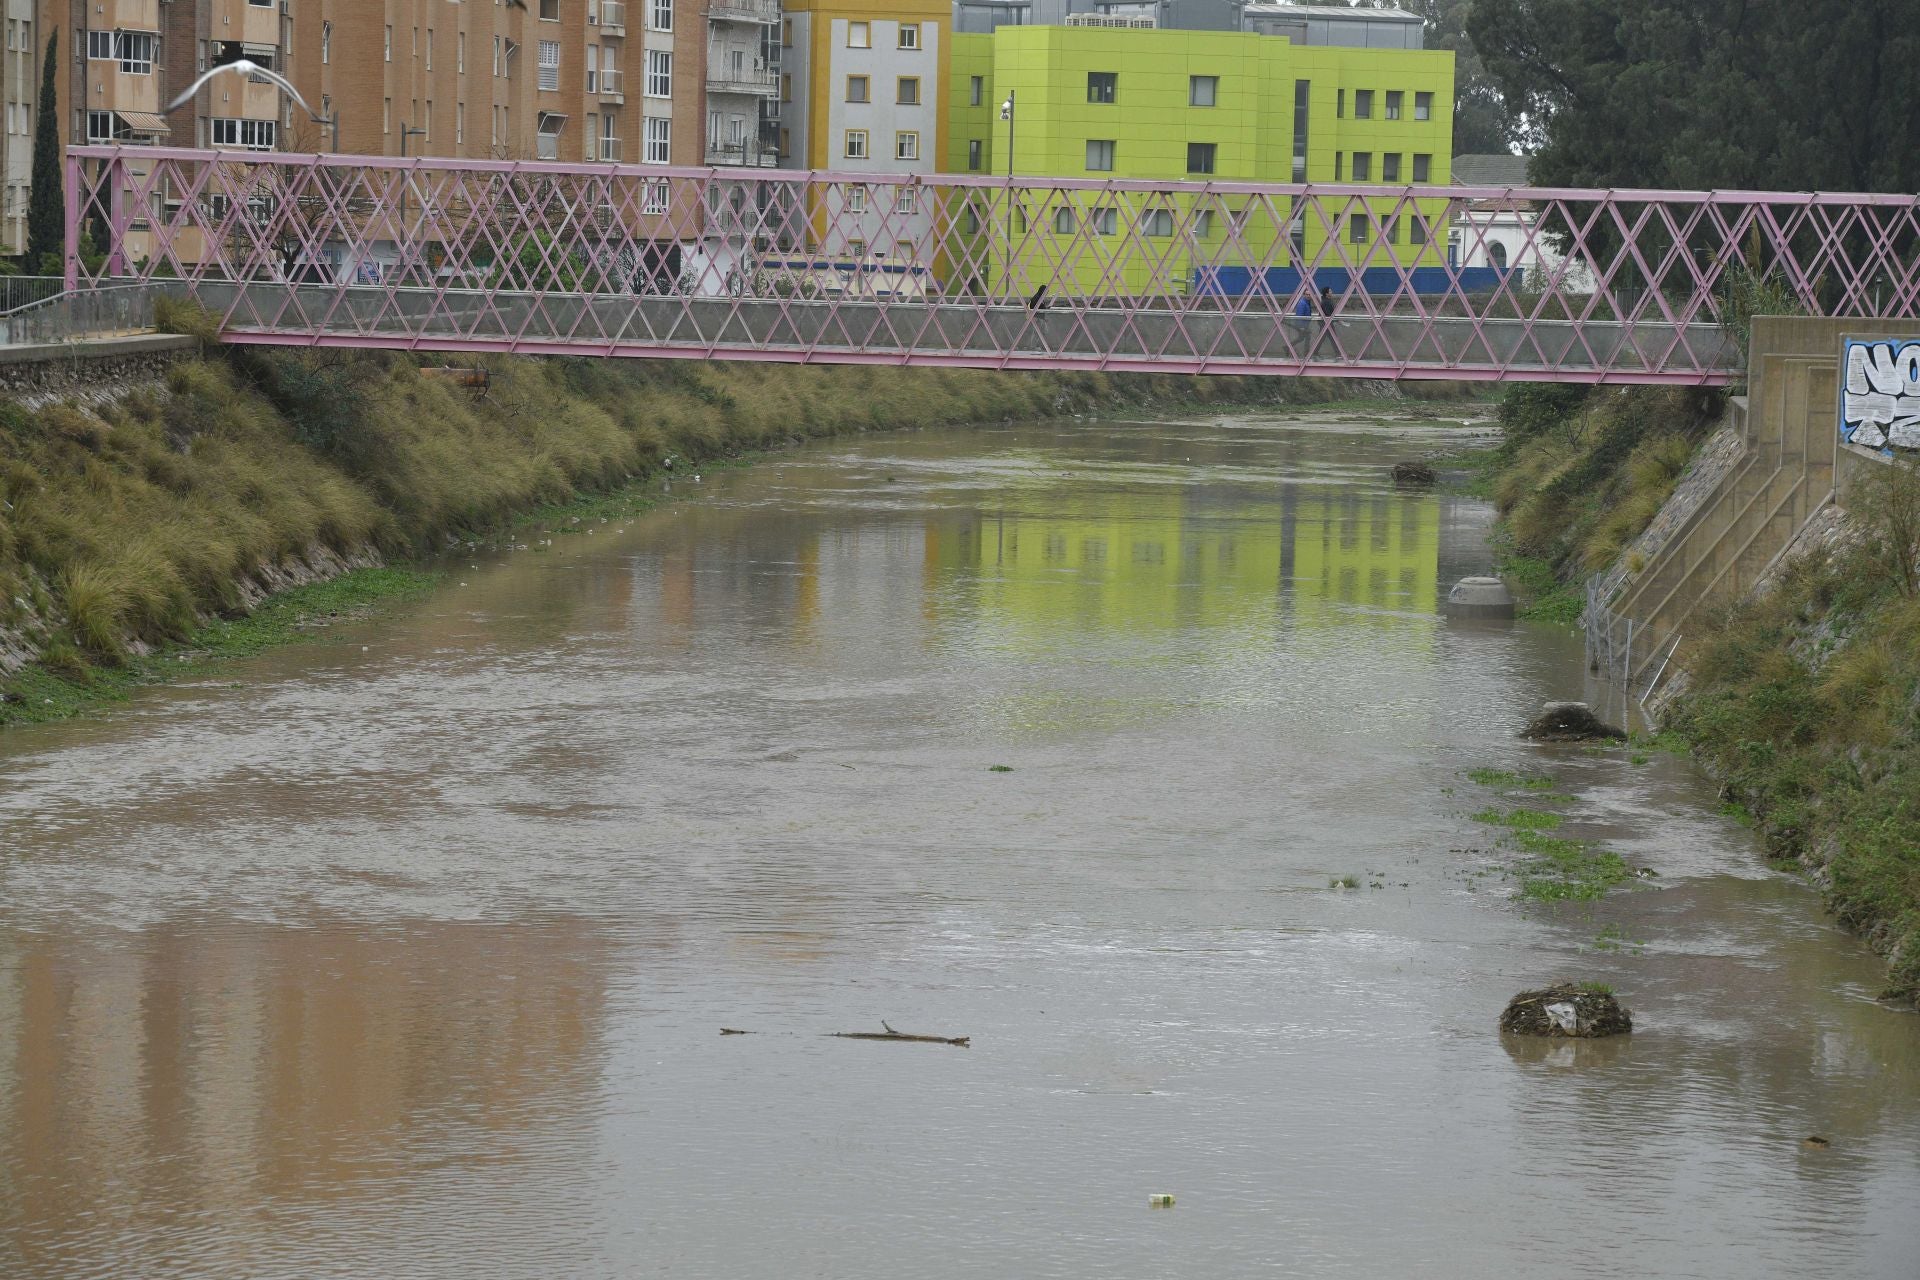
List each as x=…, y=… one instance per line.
x=248, y=135
x=656, y=198
x=906, y=146
x=389, y=46
x=1363, y=104
x=460, y=54
x=660, y=15
x=659, y=73
x=857, y=90
x=970, y=221
x=975, y=154
x=1203, y=91
x=859, y=35
x=326, y=43
x=1363, y=166
x=549, y=64
x=856, y=199
x=1203, y=225
x=976, y=90
x=856, y=147
x=426, y=123
x=1422, y=168
x=429, y=48
x=136, y=52
x=1339, y=172
x=261, y=4
x=549, y=10
x=786, y=87
x=857, y=248
x=386, y=115
x=907, y=93
x=1102, y=86
x=1105, y=221
x=100, y=46
x=547, y=127
x=1302, y=95
x=1200, y=157
x=1339, y=104
x=1394, y=98
x=906, y=201
x=1157, y=222
x=1099, y=155
x=909, y=35
x=1423, y=106
x=659, y=140
x=459, y=124
x=1390, y=167
x=100, y=126
x=1063, y=221
x=786, y=33
x=1416, y=229
x=1357, y=228
x=610, y=145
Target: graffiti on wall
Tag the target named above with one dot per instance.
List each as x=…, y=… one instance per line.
x=1880, y=393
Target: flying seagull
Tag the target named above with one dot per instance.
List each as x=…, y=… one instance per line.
x=245, y=67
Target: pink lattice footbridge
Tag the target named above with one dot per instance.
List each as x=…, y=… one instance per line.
x=969, y=271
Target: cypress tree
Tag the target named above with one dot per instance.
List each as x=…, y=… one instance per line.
x=46, y=213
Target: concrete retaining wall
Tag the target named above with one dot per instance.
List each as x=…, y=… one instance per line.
x=85, y=367
x=1785, y=469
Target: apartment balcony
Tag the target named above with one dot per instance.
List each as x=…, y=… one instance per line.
x=612, y=86
x=613, y=18
x=765, y=13
x=748, y=154
x=751, y=77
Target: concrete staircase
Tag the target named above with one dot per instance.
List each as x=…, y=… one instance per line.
x=1788, y=423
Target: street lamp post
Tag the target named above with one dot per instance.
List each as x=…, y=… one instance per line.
x=1006, y=113
x=408, y=131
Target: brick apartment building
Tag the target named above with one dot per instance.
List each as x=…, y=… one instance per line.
x=680, y=82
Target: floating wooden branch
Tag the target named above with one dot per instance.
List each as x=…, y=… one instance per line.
x=891, y=1034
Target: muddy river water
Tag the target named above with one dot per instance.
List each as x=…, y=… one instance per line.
x=406, y=952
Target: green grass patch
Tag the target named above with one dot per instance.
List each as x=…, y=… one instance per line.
x=1519, y=819
x=1561, y=870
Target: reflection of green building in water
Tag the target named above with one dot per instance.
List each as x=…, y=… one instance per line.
x=1307, y=554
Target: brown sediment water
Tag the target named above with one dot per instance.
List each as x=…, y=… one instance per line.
x=406, y=952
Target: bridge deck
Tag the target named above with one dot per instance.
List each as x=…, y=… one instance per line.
x=971, y=335
x=651, y=261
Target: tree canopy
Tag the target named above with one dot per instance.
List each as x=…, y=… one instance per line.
x=1750, y=94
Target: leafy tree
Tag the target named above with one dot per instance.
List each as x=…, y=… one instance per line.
x=1753, y=94
x=46, y=214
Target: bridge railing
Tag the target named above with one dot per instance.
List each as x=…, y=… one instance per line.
x=1404, y=281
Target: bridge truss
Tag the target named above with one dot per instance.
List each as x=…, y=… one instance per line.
x=971, y=271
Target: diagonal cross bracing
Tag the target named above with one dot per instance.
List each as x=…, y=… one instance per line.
x=1468, y=283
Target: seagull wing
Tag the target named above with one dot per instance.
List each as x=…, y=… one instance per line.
x=244, y=67
x=286, y=84
x=194, y=88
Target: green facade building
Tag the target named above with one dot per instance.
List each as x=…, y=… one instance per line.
x=1193, y=106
